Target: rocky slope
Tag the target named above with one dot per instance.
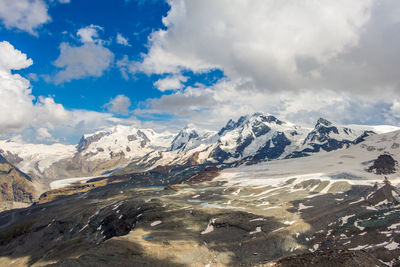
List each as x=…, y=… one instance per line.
x=16, y=188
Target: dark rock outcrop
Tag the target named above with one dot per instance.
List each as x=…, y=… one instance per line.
x=85, y=142
x=384, y=164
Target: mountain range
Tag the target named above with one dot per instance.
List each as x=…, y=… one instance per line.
x=129, y=149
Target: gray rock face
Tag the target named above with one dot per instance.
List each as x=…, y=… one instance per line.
x=145, y=139
x=84, y=143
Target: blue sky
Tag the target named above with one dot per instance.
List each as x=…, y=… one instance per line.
x=164, y=64
x=134, y=20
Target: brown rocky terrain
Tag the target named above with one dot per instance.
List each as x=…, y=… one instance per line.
x=16, y=188
x=330, y=258
x=118, y=222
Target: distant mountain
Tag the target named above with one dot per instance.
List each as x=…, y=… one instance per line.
x=251, y=138
x=183, y=138
x=124, y=141
x=254, y=137
x=95, y=153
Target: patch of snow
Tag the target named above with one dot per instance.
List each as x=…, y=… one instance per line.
x=236, y=192
x=346, y=218
x=258, y=229
x=269, y=208
x=358, y=201
x=358, y=247
x=394, y=226
x=258, y=219
x=303, y=207
x=383, y=202
x=359, y=227
x=209, y=228
x=69, y=181
x=155, y=223
x=289, y=222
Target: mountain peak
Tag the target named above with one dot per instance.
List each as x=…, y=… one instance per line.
x=186, y=134
x=324, y=122
x=258, y=117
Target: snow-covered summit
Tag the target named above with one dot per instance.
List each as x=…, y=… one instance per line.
x=34, y=157
x=126, y=141
x=259, y=136
x=328, y=137
x=183, y=137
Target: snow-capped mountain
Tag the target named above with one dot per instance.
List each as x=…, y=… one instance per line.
x=123, y=141
x=328, y=137
x=95, y=153
x=260, y=136
x=34, y=158
x=254, y=137
x=183, y=138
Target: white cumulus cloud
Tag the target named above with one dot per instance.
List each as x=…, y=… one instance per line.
x=89, y=34
x=296, y=59
x=119, y=105
x=41, y=119
x=25, y=15
x=276, y=44
x=90, y=59
x=16, y=99
x=122, y=40
x=171, y=82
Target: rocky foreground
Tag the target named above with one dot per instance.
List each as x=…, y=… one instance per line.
x=293, y=223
